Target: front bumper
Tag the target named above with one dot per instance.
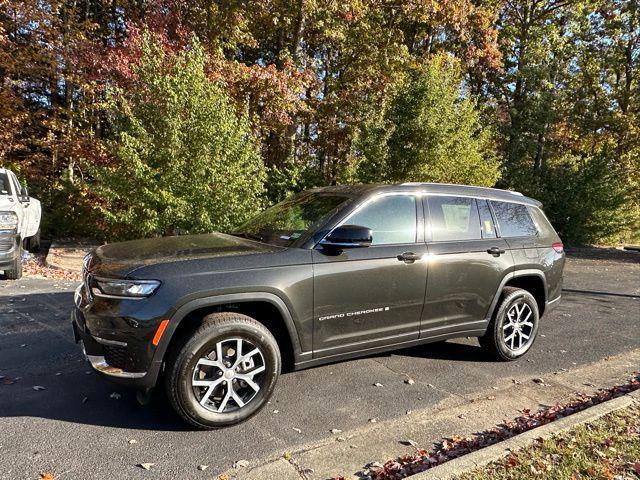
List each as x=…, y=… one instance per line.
x=119, y=361
x=8, y=248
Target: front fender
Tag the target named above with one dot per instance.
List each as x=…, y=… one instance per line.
x=212, y=301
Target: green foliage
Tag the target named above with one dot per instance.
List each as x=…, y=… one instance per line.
x=184, y=160
x=428, y=133
x=588, y=199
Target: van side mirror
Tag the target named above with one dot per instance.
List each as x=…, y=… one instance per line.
x=348, y=236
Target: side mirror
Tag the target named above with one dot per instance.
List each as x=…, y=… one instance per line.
x=348, y=236
x=24, y=194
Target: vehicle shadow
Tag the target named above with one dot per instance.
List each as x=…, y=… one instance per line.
x=37, y=350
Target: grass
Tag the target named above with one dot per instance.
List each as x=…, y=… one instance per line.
x=608, y=448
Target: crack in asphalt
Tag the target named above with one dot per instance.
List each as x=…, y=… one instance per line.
x=429, y=385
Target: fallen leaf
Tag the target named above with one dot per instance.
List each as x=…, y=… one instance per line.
x=378, y=384
x=373, y=420
x=132, y=441
x=241, y=464
x=38, y=388
x=146, y=466
x=491, y=397
x=335, y=431
x=202, y=468
x=47, y=476
x=297, y=430
x=409, y=381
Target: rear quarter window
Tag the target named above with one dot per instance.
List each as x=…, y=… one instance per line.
x=514, y=219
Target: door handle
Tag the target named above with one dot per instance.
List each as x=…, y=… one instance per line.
x=408, y=257
x=495, y=251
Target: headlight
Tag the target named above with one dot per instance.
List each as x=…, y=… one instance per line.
x=8, y=221
x=124, y=288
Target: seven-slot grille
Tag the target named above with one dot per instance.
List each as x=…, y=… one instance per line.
x=6, y=243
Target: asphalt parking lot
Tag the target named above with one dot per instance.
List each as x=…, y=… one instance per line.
x=80, y=426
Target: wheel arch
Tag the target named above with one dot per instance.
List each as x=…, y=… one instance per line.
x=266, y=308
x=534, y=281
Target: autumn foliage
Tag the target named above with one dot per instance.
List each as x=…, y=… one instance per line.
x=541, y=96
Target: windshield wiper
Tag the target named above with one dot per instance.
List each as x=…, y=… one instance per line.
x=250, y=236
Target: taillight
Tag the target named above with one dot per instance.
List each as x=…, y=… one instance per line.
x=558, y=247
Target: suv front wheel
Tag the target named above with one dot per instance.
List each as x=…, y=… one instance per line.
x=514, y=326
x=224, y=372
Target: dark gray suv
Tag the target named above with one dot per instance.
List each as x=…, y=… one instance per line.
x=330, y=274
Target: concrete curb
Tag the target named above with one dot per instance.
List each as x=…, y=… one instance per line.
x=500, y=450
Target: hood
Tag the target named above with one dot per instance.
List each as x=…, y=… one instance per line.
x=122, y=258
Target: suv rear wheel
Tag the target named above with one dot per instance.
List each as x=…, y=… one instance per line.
x=224, y=372
x=514, y=326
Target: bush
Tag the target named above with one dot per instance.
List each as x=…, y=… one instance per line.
x=428, y=133
x=181, y=159
x=588, y=200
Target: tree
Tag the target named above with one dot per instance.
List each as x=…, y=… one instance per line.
x=181, y=158
x=428, y=133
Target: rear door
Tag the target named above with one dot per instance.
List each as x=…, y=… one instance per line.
x=467, y=262
x=368, y=297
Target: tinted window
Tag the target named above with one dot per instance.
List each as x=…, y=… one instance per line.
x=287, y=221
x=391, y=218
x=513, y=219
x=486, y=220
x=453, y=218
x=5, y=189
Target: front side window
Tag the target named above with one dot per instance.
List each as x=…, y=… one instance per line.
x=5, y=186
x=453, y=218
x=391, y=218
x=513, y=219
x=289, y=220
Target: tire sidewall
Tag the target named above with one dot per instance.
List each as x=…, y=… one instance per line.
x=501, y=318
x=204, y=343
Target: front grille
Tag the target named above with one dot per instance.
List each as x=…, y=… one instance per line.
x=6, y=243
x=115, y=356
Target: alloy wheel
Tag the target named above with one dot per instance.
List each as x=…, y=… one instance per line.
x=230, y=376
x=517, y=331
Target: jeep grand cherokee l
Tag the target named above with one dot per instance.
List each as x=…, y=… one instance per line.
x=329, y=274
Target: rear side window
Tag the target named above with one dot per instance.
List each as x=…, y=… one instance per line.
x=486, y=220
x=453, y=218
x=513, y=219
x=391, y=218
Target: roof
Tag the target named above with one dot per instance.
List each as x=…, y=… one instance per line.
x=436, y=188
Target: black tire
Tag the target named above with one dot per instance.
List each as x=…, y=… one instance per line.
x=184, y=357
x=494, y=342
x=32, y=244
x=14, y=272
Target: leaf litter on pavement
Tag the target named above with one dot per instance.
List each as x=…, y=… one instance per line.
x=458, y=445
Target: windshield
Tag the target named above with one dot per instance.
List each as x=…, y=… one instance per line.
x=4, y=184
x=287, y=221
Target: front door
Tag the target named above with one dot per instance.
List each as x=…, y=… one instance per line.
x=467, y=262
x=372, y=296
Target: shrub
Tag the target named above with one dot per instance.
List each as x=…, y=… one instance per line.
x=182, y=160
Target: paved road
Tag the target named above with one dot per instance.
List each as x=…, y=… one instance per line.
x=76, y=429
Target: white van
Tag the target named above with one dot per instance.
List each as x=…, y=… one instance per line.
x=19, y=224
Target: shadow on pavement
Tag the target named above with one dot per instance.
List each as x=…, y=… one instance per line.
x=37, y=349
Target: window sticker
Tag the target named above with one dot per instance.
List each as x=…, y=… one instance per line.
x=487, y=226
x=456, y=217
